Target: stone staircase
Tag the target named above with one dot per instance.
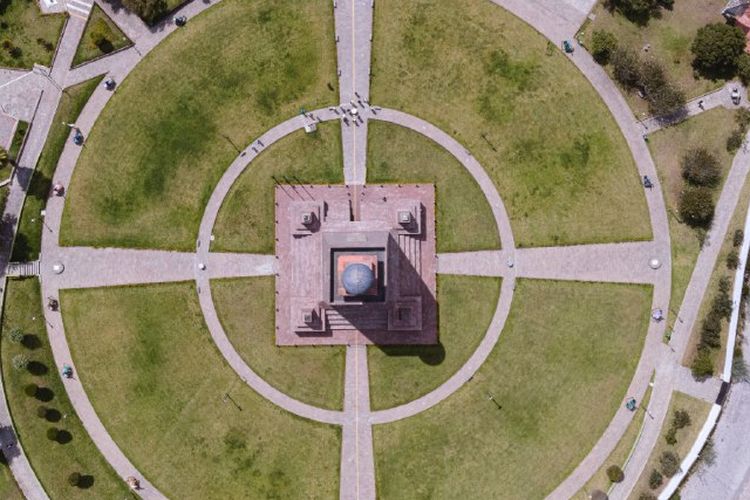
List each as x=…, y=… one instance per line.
x=356, y=318
x=22, y=269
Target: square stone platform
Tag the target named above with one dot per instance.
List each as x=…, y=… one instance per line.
x=391, y=229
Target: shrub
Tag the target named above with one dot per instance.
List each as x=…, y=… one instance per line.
x=739, y=235
x=41, y=412
x=702, y=365
x=671, y=436
x=724, y=284
x=734, y=141
x=646, y=496
x=603, y=45
x=52, y=433
x=626, y=67
x=655, y=479
x=666, y=100
x=722, y=304
x=717, y=48
x=670, y=463
x=680, y=419
x=74, y=479
x=697, y=206
x=615, y=474
x=733, y=260
x=16, y=336
x=639, y=11
x=700, y=167
x=20, y=361
x=149, y=10
x=742, y=117
x=652, y=76
x=30, y=390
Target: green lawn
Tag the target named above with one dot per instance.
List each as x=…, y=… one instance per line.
x=669, y=37
x=558, y=373
x=98, y=21
x=620, y=455
x=524, y=111
x=181, y=117
x=52, y=462
x=245, y=221
x=709, y=130
x=698, y=411
x=8, y=487
x=18, y=136
x=314, y=375
x=403, y=373
x=464, y=219
x=29, y=237
x=178, y=411
x=32, y=35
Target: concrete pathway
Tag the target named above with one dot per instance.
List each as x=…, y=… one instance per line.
x=720, y=97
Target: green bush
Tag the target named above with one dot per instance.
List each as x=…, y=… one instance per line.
x=603, y=45
x=615, y=474
x=21, y=361
x=733, y=260
x=52, y=433
x=646, y=496
x=700, y=167
x=697, y=206
x=30, y=390
x=41, y=412
x=16, y=336
x=148, y=10
x=670, y=463
x=724, y=284
x=717, y=48
x=671, y=436
x=702, y=365
x=681, y=419
x=743, y=68
x=722, y=304
x=655, y=479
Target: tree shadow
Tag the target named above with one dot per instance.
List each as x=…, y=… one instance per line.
x=52, y=415
x=31, y=341
x=37, y=368
x=64, y=437
x=86, y=481
x=44, y=394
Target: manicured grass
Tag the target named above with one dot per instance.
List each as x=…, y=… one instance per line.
x=620, y=455
x=314, y=375
x=18, y=136
x=698, y=411
x=669, y=38
x=537, y=127
x=464, y=219
x=709, y=130
x=178, y=411
x=32, y=34
x=29, y=237
x=720, y=271
x=52, y=462
x=559, y=372
x=180, y=118
x=246, y=220
x=87, y=49
x=8, y=487
x=401, y=374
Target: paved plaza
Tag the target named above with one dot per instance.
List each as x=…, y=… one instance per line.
x=389, y=229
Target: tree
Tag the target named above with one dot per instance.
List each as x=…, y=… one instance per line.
x=666, y=100
x=670, y=463
x=52, y=433
x=615, y=474
x=74, y=479
x=20, y=362
x=734, y=141
x=742, y=116
x=743, y=68
x=671, y=436
x=4, y=158
x=700, y=167
x=702, y=365
x=639, y=11
x=655, y=479
x=697, y=206
x=603, y=45
x=626, y=67
x=99, y=36
x=149, y=10
x=681, y=419
x=717, y=48
x=739, y=235
x=16, y=336
x=733, y=260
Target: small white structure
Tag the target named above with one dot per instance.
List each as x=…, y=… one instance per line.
x=311, y=127
x=58, y=267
